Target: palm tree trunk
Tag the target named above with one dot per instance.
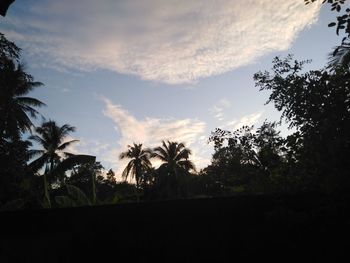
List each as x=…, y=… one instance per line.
x=137, y=178
x=51, y=164
x=137, y=192
x=93, y=188
x=46, y=191
x=178, y=184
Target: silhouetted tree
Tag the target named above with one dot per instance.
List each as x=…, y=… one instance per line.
x=87, y=177
x=111, y=177
x=174, y=168
x=317, y=105
x=14, y=105
x=245, y=160
x=51, y=138
x=139, y=163
x=16, y=108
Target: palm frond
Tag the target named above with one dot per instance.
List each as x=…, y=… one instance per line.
x=66, y=144
x=23, y=121
x=28, y=101
x=27, y=109
x=33, y=153
x=26, y=87
x=66, y=129
x=124, y=155
x=183, y=154
x=160, y=153
x=187, y=165
x=146, y=162
x=127, y=169
x=38, y=140
x=67, y=154
x=39, y=163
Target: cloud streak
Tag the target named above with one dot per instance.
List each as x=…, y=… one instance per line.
x=166, y=41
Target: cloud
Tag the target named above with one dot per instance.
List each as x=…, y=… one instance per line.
x=218, y=110
x=246, y=120
x=87, y=146
x=65, y=90
x=151, y=131
x=173, y=41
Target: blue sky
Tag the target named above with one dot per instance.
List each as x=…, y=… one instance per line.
x=122, y=72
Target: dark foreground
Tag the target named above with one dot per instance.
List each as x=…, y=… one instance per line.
x=219, y=230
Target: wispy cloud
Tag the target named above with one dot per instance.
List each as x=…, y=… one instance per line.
x=151, y=131
x=87, y=146
x=246, y=120
x=218, y=109
x=65, y=90
x=174, y=41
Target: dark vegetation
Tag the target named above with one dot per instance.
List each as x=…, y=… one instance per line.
x=4, y=5
x=268, y=186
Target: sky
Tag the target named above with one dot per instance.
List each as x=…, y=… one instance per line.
x=147, y=71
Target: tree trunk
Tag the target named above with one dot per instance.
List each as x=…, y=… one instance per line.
x=93, y=188
x=46, y=191
x=51, y=164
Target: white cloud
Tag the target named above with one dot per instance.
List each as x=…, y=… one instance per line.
x=87, y=146
x=65, y=90
x=218, y=110
x=173, y=41
x=246, y=120
x=151, y=131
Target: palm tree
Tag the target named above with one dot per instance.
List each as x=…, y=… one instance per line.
x=139, y=163
x=50, y=137
x=14, y=105
x=176, y=163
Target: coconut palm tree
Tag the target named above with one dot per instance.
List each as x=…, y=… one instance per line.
x=176, y=164
x=15, y=106
x=51, y=138
x=138, y=164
